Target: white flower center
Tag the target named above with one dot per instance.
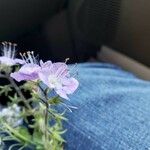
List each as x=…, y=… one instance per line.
x=54, y=81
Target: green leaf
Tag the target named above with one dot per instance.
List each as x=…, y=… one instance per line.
x=57, y=136
x=5, y=68
x=55, y=101
x=7, y=138
x=37, y=137
x=14, y=99
x=5, y=89
x=60, y=117
x=61, y=132
x=35, y=96
x=29, y=86
x=24, y=132
x=38, y=147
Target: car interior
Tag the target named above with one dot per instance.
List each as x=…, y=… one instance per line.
x=109, y=42
x=81, y=30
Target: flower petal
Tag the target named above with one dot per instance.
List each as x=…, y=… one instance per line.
x=47, y=64
x=7, y=61
x=30, y=69
x=70, y=85
x=60, y=69
x=43, y=78
x=62, y=93
x=20, y=76
x=19, y=61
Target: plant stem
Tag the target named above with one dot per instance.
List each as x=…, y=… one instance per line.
x=46, y=127
x=46, y=116
x=17, y=134
x=19, y=92
x=7, y=76
x=15, y=86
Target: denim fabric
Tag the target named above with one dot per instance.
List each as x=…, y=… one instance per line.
x=113, y=110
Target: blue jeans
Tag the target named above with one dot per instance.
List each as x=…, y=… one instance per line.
x=113, y=110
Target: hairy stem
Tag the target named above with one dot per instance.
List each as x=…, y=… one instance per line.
x=19, y=92
x=15, y=86
x=46, y=126
x=46, y=116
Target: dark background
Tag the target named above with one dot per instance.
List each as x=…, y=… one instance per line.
x=57, y=29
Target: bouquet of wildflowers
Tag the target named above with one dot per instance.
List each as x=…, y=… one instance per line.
x=32, y=118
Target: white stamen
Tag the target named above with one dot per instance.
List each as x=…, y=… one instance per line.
x=26, y=58
x=69, y=107
x=22, y=56
x=33, y=57
x=13, y=50
x=8, y=49
x=4, y=51
x=66, y=60
x=29, y=57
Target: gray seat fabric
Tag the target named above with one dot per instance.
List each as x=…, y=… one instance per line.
x=85, y=26
x=92, y=24
x=94, y=20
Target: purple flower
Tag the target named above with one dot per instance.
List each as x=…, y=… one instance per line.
x=8, y=55
x=29, y=71
x=46, y=65
x=57, y=77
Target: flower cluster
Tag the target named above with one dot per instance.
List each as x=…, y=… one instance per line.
x=8, y=55
x=48, y=84
x=12, y=115
x=55, y=75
